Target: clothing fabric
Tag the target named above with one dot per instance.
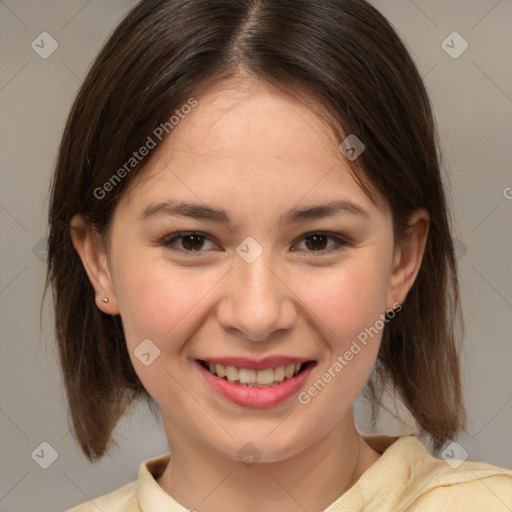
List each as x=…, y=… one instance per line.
x=405, y=478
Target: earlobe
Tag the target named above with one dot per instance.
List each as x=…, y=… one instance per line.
x=87, y=242
x=408, y=257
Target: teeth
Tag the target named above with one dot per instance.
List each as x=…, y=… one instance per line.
x=279, y=373
x=248, y=376
x=265, y=376
x=231, y=373
x=289, y=371
x=221, y=370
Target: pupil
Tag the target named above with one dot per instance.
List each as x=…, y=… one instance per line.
x=196, y=239
x=316, y=239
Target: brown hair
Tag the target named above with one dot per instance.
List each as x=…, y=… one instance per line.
x=347, y=56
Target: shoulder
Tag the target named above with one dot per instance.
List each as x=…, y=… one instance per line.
x=469, y=486
x=136, y=495
x=455, y=485
x=407, y=478
x=123, y=499
x=476, y=486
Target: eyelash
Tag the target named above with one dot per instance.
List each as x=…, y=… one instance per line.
x=168, y=241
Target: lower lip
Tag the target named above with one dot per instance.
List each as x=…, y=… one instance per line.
x=253, y=396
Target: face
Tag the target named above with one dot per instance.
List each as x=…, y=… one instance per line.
x=257, y=269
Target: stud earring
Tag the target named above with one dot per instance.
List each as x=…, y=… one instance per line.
x=104, y=299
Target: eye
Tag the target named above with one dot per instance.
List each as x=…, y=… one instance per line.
x=316, y=242
x=189, y=241
x=195, y=242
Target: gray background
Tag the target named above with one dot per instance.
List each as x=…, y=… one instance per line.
x=472, y=98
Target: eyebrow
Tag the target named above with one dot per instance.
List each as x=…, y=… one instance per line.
x=205, y=212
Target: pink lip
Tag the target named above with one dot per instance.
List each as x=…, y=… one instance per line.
x=256, y=397
x=255, y=364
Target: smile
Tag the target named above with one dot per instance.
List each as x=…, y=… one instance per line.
x=264, y=386
x=249, y=377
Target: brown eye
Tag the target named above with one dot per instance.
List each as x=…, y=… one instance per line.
x=186, y=242
x=318, y=242
x=192, y=242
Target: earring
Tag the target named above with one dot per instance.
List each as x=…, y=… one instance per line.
x=104, y=299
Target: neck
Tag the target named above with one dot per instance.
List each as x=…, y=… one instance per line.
x=312, y=479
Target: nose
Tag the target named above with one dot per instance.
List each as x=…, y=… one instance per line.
x=257, y=302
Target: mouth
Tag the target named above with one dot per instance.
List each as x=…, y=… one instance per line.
x=257, y=378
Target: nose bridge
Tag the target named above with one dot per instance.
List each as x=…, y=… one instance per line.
x=258, y=303
x=257, y=281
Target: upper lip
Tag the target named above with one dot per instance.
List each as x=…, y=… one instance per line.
x=256, y=364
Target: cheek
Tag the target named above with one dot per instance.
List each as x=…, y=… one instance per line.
x=164, y=307
x=347, y=299
x=347, y=306
x=158, y=301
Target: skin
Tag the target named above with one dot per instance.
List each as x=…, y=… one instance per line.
x=255, y=151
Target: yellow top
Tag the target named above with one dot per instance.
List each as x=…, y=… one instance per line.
x=405, y=478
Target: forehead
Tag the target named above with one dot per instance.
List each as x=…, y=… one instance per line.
x=247, y=137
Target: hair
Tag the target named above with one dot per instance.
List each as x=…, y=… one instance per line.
x=342, y=53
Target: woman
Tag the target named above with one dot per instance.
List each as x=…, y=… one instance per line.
x=248, y=229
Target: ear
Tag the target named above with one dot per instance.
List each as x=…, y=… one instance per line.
x=90, y=248
x=407, y=258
